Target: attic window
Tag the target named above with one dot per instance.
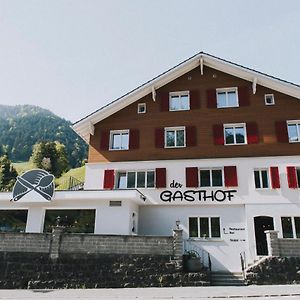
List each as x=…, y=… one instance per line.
x=269, y=99
x=141, y=108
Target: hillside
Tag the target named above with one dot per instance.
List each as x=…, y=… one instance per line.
x=22, y=126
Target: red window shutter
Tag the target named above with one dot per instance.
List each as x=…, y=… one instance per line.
x=252, y=133
x=230, y=174
x=218, y=132
x=109, y=179
x=134, y=139
x=159, y=137
x=244, y=96
x=191, y=136
x=104, y=142
x=194, y=99
x=281, y=132
x=211, y=98
x=161, y=181
x=292, y=177
x=164, y=101
x=275, y=179
x=191, y=177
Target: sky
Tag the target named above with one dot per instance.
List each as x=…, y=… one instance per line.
x=74, y=56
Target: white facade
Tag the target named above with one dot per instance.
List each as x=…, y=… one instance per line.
x=152, y=211
x=158, y=216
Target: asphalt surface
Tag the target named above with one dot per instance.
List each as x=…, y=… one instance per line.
x=249, y=292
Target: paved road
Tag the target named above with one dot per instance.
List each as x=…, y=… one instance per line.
x=285, y=292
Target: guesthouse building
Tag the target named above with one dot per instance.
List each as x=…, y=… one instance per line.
x=209, y=146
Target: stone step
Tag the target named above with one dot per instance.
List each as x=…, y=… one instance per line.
x=227, y=279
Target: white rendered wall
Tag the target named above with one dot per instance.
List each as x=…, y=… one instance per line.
x=158, y=217
x=225, y=252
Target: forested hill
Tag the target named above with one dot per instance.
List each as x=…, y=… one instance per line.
x=22, y=126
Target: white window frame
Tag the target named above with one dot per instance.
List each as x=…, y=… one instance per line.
x=293, y=226
x=179, y=94
x=177, y=128
x=226, y=90
x=210, y=176
x=273, y=99
x=294, y=122
x=142, y=105
x=234, y=125
x=209, y=227
x=298, y=179
x=112, y=132
x=135, y=184
x=260, y=178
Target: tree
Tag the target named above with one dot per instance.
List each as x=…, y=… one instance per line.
x=8, y=174
x=50, y=156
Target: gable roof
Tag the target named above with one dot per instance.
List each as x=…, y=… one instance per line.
x=85, y=126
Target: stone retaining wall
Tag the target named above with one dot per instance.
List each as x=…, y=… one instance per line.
x=38, y=271
x=275, y=270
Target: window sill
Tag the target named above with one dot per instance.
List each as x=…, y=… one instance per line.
x=228, y=107
x=294, y=142
x=174, y=147
x=236, y=144
x=118, y=149
x=206, y=239
x=179, y=109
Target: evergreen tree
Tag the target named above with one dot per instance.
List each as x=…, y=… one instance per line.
x=50, y=156
x=8, y=174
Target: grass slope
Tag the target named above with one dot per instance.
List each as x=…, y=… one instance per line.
x=78, y=173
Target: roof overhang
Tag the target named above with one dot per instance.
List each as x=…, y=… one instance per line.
x=85, y=126
x=65, y=197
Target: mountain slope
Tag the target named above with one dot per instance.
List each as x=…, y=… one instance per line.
x=22, y=126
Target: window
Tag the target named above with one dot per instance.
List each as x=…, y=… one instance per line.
x=204, y=227
x=294, y=131
x=74, y=220
x=119, y=140
x=261, y=178
x=227, y=97
x=298, y=176
x=235, y=134
x=174, y=137
x=290, y=227
x=135, y=179
x=142, y=108
x=13, y=220
x=211, y=177
x=179, y=101
x=269, y=99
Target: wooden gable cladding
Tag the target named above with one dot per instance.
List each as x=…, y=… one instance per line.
x=203, y=119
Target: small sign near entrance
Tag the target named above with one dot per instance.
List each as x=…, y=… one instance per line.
x=34, y=186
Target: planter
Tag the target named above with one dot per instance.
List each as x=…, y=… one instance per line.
x=192, y=264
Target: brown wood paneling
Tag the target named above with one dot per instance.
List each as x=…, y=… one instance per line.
x=285, y=108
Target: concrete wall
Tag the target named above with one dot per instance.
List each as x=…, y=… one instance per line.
x=86, y=243
x=25, y=242
x=282, y=246
x=116, y=244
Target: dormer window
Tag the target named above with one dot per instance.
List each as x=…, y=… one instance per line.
x=227, y=97
x=179, y=101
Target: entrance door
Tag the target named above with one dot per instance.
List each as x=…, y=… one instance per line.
x=261, y=224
